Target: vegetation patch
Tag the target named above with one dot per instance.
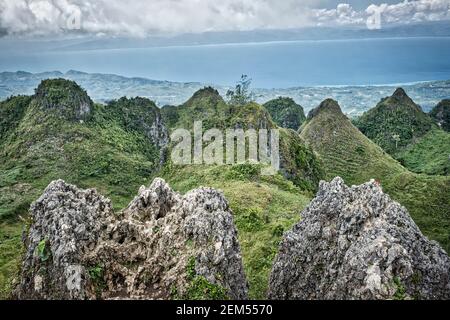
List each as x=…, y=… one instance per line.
x=263, y=207
x=429, y=155
x=96, y=274
x=198, y=287
x=286, y=113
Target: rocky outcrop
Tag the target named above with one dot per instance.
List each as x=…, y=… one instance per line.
x=67, y=224
x=356, y=243
x=163, y=245
x=64, y=98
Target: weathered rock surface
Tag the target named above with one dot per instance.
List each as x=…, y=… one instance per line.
x=163, y=245
x=67, y=224
x=356, y=243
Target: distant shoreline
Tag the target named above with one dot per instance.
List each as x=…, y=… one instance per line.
x=72, y=72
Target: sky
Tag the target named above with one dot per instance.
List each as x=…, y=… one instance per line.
x=143, y=18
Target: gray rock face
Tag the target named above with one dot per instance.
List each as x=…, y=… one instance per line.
x=67, y=224
x=356, y=243
x=163, y=245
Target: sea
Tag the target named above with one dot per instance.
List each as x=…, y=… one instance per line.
x=280, y=64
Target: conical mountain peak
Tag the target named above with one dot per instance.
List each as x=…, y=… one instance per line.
x=400, y=93
x=328, y=105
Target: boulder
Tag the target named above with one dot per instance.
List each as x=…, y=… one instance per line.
x=357, y=243
x=162, y=246
x=67, y=223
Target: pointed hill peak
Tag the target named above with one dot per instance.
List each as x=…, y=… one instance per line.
x=65, y=87
x=400, y=94
x=395, y=122
x=328, y=105
x=207, y=93
x=400, y=98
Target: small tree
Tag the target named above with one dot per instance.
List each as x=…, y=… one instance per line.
x=241, y=94
x=396, y=138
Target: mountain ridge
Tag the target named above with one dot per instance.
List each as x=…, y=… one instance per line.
x=103, y=87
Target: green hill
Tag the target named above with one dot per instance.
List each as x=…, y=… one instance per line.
x=400, y=127
x=430, y=154
x=286, y=113
x=441, y=114
x=298, y=162
x=208, y=106
x=60, y=133
x=346, y=152
x=53, y=136
x=395, y=122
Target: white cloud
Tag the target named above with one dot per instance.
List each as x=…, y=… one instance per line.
x=413, y=11
x=141, y=18
x=344, y=14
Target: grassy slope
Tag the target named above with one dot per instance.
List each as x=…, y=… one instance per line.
x=10, y=251
x=105, y=152
x=421, y=146
x=441, y=114
x=429, y=155
x=263, y=207
x=346, y=152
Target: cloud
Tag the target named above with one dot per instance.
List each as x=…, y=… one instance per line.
x=140, y=18
x=405, y=12
x=413, y=11
x=344, y=14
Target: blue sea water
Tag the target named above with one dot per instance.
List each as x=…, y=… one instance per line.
x=269, y=64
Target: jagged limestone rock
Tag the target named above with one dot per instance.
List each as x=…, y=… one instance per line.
x=356, y=243
x=67, y=224
x=163, y=245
